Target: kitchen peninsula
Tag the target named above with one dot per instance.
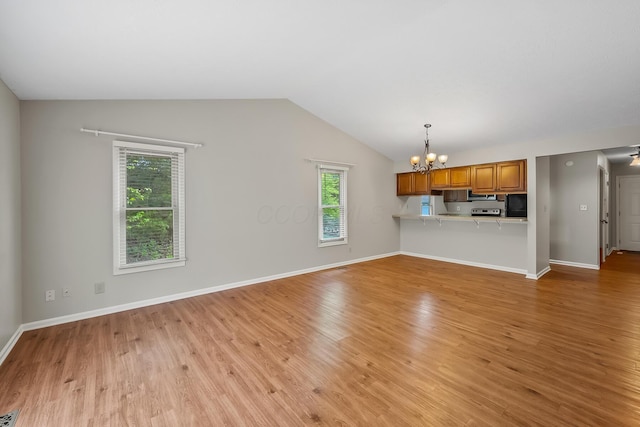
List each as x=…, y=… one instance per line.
x=495, y=243
x=461, y=217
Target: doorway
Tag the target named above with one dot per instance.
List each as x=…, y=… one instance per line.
x=628, y=213
x=604, y=215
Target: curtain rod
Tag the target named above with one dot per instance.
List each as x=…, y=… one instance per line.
x=330, y=162
x=147, y=138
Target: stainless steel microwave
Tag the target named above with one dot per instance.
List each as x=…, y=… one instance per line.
x=471, y=196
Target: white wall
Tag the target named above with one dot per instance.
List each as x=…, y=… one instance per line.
x=574, y=233
x=251, y=197
x=542, y=208
x=10, y=277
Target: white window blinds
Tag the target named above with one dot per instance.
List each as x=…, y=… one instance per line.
x=332, y=202
x=149, y=220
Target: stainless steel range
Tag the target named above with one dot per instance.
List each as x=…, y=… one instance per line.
x=486, y=212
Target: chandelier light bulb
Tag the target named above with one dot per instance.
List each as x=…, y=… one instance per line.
x=415, y=160
x=442, y=158
x=431, y=157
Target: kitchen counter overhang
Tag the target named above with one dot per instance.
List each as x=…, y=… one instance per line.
x=460, y=217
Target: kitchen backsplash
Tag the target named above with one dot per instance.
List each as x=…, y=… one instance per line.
x=413, y=205
x=465, y=207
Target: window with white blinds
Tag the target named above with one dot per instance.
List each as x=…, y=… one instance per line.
x=332, y=202
x=148, y=207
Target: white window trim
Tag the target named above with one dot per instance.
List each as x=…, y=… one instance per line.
x=119, y=203
x=343, y=193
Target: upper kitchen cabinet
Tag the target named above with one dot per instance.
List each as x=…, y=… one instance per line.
x=483, y=178
x=440, y=178
x=414, y=184
x=512, y=176
x=404, y=183
x=489, y=178
x=460, y=177
x=421, y=183
x=503, y=177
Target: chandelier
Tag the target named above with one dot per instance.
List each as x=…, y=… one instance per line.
x=429, y=158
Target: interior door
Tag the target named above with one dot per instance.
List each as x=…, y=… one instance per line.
x=604, y=215
x=629, y=213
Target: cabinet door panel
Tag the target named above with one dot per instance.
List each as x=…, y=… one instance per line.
x=404, y=184
x=512, y=176
x=460, y=177
x=440, y=178
x=421, y=183
x=483, y=178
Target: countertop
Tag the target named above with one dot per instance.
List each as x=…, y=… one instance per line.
x=462, y=217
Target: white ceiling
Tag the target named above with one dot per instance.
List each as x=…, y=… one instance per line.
x=482, y=72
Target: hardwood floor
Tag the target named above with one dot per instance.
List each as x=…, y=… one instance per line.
x=400, y=341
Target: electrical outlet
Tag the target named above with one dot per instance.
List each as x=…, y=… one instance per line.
x=583, y=207
x=66, y=293
x=457, y=208
x=99, y=287
x=50, y=295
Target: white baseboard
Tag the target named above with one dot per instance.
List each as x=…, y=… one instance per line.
x=539, y=274
x=574, y=264
x=469, y=263
x=12, y=342
x=175, y=297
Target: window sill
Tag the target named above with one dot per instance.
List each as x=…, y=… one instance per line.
x=148, y=267
x=336, y=242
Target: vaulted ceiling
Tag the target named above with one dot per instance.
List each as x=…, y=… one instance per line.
x=481, y=72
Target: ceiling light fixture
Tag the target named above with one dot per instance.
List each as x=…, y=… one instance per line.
x=429, y=158
x=635, y=161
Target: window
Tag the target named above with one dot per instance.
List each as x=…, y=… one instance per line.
x=332, y=201
x=148, y=204
x=425, y=206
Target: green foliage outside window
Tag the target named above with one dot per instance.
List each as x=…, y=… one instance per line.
x=331, y=211
x=149, y=185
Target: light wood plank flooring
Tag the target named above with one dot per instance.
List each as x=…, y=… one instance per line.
x=394, y=342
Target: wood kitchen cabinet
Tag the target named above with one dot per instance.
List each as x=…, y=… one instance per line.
x=414, y=184
x=460, y=177
x=489, y=178
x=483, y=178
x=440, y=178
x=421, y=183
x=502, y=177
x=512, y=176
x=404, y=183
